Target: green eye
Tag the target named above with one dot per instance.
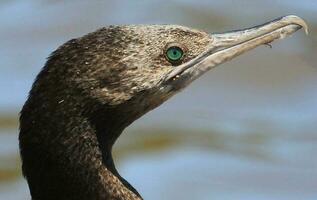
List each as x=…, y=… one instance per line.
x=174, y=53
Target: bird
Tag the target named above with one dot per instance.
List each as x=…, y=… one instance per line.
x=92, y=87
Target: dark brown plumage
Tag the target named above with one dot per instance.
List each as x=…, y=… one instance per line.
x=90, y=89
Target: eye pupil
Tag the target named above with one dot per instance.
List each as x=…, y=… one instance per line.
x=174, y=53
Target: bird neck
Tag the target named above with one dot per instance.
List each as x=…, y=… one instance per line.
x=67, y=155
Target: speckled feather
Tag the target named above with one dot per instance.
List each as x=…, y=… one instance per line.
x=90, y=89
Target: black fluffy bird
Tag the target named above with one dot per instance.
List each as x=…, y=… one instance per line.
x=94, y=86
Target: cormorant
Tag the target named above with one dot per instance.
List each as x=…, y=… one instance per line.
x=94, y=86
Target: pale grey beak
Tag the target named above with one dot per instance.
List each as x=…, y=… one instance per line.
x=226, y=46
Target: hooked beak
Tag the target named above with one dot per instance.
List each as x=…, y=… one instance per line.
x=226, y=46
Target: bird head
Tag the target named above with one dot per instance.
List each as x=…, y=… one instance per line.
x=138, y=67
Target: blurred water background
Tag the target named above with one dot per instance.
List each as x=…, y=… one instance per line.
x=246, y=130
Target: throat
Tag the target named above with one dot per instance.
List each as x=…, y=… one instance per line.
x=108, y=162
x=60, y=162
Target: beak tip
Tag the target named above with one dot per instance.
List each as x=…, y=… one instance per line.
x=306, y=31
x=298, y=21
